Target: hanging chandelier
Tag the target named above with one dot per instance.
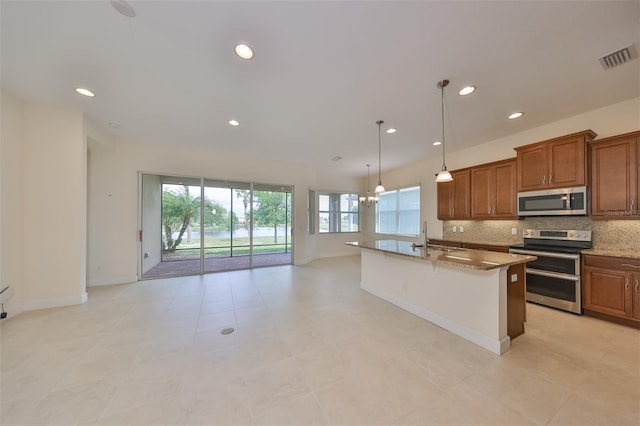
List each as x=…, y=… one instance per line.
x=368, y=200
x=444, y=175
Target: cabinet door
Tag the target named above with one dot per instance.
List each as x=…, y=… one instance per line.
x=483, y=185
x=505, y=190
x=461, y=194
x=445, y=200
x=532, y=168
x=613, y=177
x=566, y=163
x=607, y=291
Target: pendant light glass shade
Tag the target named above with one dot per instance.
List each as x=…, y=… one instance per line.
x=380, y=187
x=444, y=175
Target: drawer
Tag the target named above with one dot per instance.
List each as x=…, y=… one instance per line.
x=619, y=263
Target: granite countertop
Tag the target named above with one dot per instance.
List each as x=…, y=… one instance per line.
x=466, y=258
x=629, y=254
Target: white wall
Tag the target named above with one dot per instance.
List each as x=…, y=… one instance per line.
x=113, y=248
x=43, y=205
x=11, y=200
x=54, y=189
x=609, y=121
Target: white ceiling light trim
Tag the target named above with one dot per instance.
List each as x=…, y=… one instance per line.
x=467, y=90
x=85, y=92
x=391, y=130
x=515, y=115
x=234, y=123
x=244, y=51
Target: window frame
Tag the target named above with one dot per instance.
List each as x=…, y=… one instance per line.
x=398, y=211
x=335, y=216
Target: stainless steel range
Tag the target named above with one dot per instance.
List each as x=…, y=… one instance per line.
x=554, y=278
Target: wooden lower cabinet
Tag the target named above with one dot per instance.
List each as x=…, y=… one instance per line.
x=611, y=286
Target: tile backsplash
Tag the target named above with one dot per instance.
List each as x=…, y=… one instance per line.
x=607, y=234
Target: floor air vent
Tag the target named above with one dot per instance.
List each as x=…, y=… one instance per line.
x=618, y=57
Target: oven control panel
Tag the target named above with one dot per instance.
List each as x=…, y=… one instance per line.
x=566, y=235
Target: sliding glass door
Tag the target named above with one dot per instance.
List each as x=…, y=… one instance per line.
x=194, y=225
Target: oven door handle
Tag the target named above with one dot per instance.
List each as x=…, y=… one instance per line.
x=546, y=254
x=552, y=274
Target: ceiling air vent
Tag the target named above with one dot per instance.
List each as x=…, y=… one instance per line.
x=618, y=57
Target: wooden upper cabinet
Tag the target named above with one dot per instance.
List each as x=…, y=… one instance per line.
x=493, y=190
x=454, y=198
x=614, y=176
x=556, y=163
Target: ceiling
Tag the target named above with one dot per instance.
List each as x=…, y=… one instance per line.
x=323, y=71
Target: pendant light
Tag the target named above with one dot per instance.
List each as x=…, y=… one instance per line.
x=380, y=187
x=444, y=175
x=368, y=200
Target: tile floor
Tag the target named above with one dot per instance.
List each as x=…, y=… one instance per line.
x=309, y=348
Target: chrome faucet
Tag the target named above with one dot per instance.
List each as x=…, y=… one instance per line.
x=426, y=235
x=426, y=238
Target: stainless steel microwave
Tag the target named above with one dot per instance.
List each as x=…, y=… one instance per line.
x=553, y=202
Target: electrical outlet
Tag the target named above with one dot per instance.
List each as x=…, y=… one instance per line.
x=514, y=231
x=454, y=229
x=462, y=229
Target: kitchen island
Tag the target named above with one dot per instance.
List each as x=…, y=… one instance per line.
x=477, y=295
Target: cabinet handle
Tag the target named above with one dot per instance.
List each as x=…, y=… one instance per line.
x=626, y=283
x=636, y=287
x=494, y=209
x=550, y=177
x=630, y=265
x=544, y=179
x=633, y=202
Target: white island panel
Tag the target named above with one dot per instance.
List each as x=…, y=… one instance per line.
x=468, y=302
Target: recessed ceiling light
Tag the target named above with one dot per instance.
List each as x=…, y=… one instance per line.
x=392, y=130
x=114, y=125
x=515, y=115
x=85, y=92
x=234, y=122
x=244, y=51
x=467, y=90
x=123, y=8
x=436, y=143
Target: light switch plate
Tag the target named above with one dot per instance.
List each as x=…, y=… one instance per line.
x=514, y=278
x=462, y=229
x=514, y=231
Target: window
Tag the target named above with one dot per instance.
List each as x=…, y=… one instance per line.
x=398, y=212
x=337, y=212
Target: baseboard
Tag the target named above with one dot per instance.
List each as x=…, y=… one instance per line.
x=112, y=281
x=32, y=305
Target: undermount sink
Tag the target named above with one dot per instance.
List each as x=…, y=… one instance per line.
x=443, y=248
